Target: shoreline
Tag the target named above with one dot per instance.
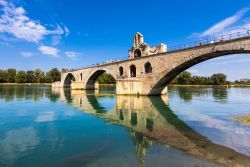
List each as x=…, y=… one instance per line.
x=218, y=86
x=25, y=84
x=171, y=85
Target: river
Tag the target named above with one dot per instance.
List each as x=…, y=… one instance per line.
x=62, y=128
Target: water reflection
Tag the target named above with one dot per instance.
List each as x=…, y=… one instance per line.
x=188, y=93
x=39, y=123
x=35, y=93
x=150, y=120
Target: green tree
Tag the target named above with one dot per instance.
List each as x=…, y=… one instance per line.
x=53, y=75
x=21, y=77
x=11, y=75
x=106, y=79
x=3, y=76
x=38, y=75
x=184, y=78
x=64, y=70
x=218, y=79
x=30, y=76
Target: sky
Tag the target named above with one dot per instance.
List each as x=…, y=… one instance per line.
x=73, y=34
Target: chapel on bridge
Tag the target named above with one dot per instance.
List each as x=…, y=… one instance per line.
x=140, y=48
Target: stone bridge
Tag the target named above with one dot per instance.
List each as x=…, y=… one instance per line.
x=149, y=70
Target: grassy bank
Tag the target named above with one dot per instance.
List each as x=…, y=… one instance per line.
x=222, y=86
x=25, y=84
x=243, y=119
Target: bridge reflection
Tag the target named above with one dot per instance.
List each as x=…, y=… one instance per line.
x=150, y=120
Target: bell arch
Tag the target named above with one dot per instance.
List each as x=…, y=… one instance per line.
x=137, y=53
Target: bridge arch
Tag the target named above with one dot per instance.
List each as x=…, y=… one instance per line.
x=168, y=76
x=68, y=80
x=92, y=79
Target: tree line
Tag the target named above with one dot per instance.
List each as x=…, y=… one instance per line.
x=106, y=79
x=38, y=76
x=31, y=76
x=186, y=78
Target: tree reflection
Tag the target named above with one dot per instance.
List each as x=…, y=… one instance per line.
x=35, y=93
x=220, y=94
x=142, y=145
x=188, y=93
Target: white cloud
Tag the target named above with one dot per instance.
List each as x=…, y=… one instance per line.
x=14, y=21
x=46, y=117
x=72, y=55
x=228, y=25
x=47, y=50
x=27, y=54
x=56, y=39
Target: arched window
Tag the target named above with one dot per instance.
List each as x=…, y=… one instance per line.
x=132, y=71
x=148, y=68
x=121, y=71
x=137, y=53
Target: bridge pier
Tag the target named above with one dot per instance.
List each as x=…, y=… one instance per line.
x=136, y=87
x=83, y=86
x=128, y=87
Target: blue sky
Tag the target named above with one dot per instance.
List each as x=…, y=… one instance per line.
x=71, y=34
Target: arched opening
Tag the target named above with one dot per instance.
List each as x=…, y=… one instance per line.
x=120, y=71
x=101, y=80
x=148, y=68
x=132, y=71
x=133, y=120
x=137, y=53
x=68, y=80
x=169, y=76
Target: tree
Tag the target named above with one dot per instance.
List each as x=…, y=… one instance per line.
x=64, y=70
x=218, y=79
x=21, y=77
x=184, y=78
x=11, y=75
x=53, y=75
x=30, y=76
x=106, y=79
x=38, y=75
x=3, y=76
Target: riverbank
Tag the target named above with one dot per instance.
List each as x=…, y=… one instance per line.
x=222, y=86
x=25, y=84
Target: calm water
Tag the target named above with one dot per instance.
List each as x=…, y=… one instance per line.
x=61, y=128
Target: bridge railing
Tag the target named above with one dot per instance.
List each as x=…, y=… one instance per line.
x=204, y=41
x=210, y=40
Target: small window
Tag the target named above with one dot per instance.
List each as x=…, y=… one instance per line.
x=132, y=71
x=148, y=68
x=121, y=71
